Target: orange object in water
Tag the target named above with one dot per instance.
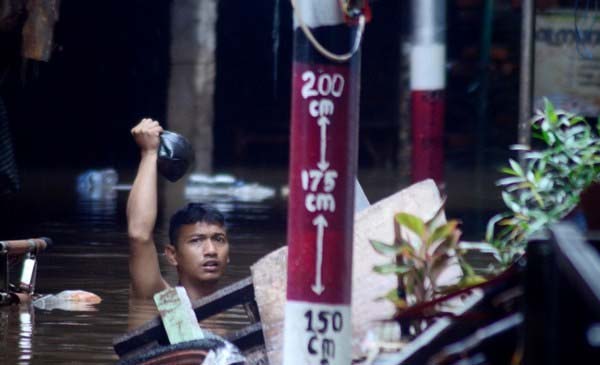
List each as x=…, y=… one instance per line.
x=81, y=296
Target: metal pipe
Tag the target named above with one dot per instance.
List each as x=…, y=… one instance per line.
x=427, y=83
x=19, y=247
x=526, y=77
x=429, y=22
x=482, y=108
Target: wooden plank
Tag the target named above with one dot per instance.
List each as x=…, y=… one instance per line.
x=239, y=292
x=248, y=337
x=177, y=315
x=151, y=331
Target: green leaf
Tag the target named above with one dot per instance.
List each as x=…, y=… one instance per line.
x=477, y=246
x=489, y=232
x=406, y=250
x=508, y=171
x=384, y=249
x=442, y=232
x=471, y=280
x=578, y=119
x=550, y=139
x=519, y=147
x=549, y=111
x=516, y=167
x=509, y=180
x=411, y=222
x=393, y=297
x=510, y=202
x=392, y=268
x=533, y=155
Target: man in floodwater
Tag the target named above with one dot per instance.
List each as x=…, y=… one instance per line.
x=198, y=247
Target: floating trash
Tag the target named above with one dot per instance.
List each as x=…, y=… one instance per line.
x=101, y=184
x=96, y=178
x=69, y=300
x=98, y=184
x=225, y=186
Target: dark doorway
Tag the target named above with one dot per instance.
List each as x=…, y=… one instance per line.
x=252, y=96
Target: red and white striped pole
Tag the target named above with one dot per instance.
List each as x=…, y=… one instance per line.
x=323, y=158
x=427, y=83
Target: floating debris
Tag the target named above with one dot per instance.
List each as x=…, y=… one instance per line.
x=225, y=186
x=98, y=184
x=69, y=300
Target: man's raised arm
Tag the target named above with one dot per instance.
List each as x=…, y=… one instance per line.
x=141, y=215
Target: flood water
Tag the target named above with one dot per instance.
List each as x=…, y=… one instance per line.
x=90, y=253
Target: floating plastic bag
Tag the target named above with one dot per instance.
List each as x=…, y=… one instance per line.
x=175, y=155
x=227, y=354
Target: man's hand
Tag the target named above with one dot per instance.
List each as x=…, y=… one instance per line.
x=146, y=135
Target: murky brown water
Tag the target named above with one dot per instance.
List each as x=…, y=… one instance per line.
x=90, y=253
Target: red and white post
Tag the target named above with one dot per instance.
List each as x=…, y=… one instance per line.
x=323, y=158
x=428, y=83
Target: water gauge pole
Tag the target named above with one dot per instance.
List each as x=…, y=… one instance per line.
x=427, y=83
x=323, y=158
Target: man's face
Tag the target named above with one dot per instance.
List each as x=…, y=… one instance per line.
x=202, y=251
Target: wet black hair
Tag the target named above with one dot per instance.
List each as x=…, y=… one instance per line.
x=194, y=213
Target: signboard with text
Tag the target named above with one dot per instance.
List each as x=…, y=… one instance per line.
x=567, y=61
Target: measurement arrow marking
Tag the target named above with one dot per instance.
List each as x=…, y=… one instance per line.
x=323, y=122
x=320, y=222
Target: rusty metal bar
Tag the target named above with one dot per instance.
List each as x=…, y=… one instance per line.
x=20, y=247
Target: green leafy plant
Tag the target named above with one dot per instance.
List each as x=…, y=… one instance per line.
x=548, y=185
x=420, y=252
x=542, y=190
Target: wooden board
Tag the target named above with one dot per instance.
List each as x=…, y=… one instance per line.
x=153, y=333
x=177, y=315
